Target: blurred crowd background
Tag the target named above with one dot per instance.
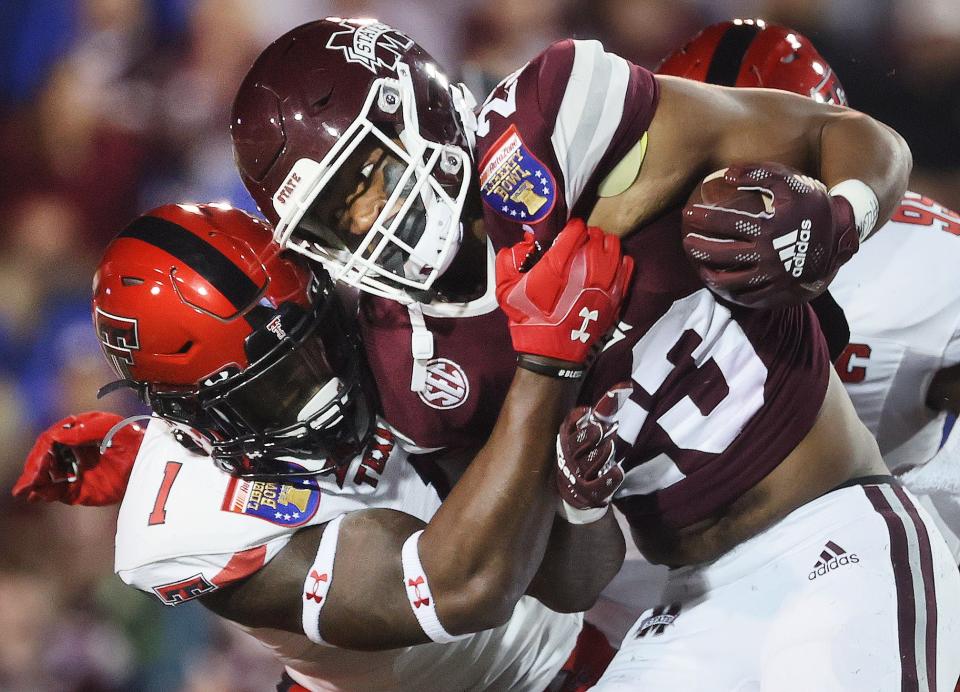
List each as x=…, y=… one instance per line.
x=111, y=107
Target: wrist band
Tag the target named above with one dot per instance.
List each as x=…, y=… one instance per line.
x=562, y=373
x=581, y=516
x=421, y=600
x=864, y=202
x=317, y=583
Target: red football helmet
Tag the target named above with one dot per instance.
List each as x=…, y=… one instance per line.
x=752, y=53
x=197, y=310
x=323, y=107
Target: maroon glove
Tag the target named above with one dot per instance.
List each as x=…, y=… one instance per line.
x=65, y=463
x=571, y=296
x=588, y=473
x=763, y=235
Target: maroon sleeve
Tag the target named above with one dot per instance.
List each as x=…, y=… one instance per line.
x=551, y=132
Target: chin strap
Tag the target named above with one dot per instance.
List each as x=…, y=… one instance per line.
x=189, y=438
x=464, y=104
x=421, y=345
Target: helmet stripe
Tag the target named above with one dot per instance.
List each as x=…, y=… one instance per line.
x=203, y=258
x=725, y=65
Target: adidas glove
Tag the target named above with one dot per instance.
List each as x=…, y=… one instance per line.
x=763, y=235
x=65, y=464
x=588, y=472
x=562, y=305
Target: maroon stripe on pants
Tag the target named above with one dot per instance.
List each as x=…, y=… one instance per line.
x=929, y=584
x=906, y=607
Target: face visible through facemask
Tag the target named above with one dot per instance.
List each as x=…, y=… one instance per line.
x=375, y=190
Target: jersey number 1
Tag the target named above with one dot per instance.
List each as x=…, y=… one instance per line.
x=159, y=513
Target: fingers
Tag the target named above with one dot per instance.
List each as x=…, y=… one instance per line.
x=719, y=252
x=83, y=428
x=609, y=405
x=727, y=222
x=566, y=245
x=737, y=281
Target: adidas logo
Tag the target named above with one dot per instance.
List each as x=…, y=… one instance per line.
x=793, y=247
x=832, y=557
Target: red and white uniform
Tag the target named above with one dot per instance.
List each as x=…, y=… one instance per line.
x=901, y=296
x=186, y=528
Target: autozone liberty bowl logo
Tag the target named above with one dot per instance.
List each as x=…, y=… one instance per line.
x=446, y=386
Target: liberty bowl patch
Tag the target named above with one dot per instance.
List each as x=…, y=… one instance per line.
x=292, y=503
x=446, y=386
x=514, y=182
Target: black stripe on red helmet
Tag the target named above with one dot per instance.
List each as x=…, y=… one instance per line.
x=215, y=267
x=728, y=57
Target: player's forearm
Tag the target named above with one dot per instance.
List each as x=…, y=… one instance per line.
x=852, y=145
x=580, y=561
x=487, y=539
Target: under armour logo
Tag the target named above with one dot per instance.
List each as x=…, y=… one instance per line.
x=318, y=578
x=582, y=335
x=415, y=585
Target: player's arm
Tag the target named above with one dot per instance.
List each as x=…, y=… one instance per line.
x=477, y=554
x=580, y=561
x=587, y=547
x=699, y=128
x=391, y=586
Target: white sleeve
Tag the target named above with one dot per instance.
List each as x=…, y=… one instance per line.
x=590, y=114
x=182, y=578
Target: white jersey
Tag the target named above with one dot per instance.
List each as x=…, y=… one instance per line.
x=901, y=296
x=186, y=528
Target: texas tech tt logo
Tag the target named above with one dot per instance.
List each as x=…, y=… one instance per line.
x=184, y=590
x=374, y=45
x=118, y=338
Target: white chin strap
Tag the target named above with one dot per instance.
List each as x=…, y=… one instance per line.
x=439, y=225
x=323, y=397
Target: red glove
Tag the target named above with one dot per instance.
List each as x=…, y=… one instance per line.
x=65, y=463
x=571, y=296
x=763, y=235
x=588, y=472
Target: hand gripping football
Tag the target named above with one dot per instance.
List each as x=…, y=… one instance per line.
x=764, y=235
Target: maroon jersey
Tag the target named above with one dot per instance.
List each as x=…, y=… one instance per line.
x=721, y=394
x=468, y=367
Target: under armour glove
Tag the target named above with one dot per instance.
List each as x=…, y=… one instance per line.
x=65, y=463
x=562, y=305
x=588, y=472
x=763, y=235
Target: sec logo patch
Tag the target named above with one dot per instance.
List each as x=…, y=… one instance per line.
x=447, y=385
x=514, y=182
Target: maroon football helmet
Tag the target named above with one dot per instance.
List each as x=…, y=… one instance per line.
x=197, y=310
x=752, y=53
x=323, y=107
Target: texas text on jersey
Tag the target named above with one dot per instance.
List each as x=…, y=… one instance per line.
x=186, y=529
